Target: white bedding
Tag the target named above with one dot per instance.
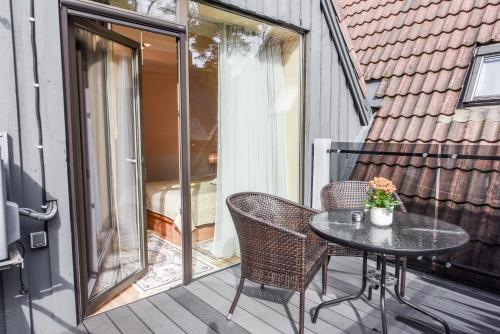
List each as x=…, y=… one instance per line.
x=165, y=198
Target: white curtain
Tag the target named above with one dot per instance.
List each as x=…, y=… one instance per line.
x=251, y=132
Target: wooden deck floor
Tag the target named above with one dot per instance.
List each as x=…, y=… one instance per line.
x=201, y=308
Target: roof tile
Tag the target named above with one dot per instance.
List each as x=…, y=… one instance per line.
x=428, y=129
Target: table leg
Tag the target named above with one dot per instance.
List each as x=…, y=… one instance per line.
x=339, y=300
x=382, y=294
x=403, y=301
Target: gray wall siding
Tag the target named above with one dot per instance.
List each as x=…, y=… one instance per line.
x=329, y=112
x=49, y=271
x=329, y=107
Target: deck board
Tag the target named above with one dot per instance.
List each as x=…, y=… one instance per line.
x=202, y=306
x=157, y=322
x=127, y=322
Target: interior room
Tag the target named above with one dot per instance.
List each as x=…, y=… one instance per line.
x=160, y=134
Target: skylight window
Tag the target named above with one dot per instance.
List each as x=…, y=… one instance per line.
x=484, y=81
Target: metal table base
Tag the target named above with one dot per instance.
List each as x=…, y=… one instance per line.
x=382, y=285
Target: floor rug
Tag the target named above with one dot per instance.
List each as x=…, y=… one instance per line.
x=165, y=265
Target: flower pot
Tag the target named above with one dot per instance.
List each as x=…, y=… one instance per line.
x=380, y=217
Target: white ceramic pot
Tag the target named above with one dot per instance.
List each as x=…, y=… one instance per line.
x=380, y=217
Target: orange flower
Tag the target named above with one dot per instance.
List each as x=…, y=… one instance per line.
x=383, y=184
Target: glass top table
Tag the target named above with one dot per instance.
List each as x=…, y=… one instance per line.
x=409, y=235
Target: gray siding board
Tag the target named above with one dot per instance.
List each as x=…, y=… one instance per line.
x=305, y=13
x=295, y=12
x=11, y=306
x=325, y=82
x=283, y=10
x=271, y=8
x=49, y=271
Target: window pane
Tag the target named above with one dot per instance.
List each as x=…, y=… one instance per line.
x=244, y=121
x=487, y=78
x=161, y=9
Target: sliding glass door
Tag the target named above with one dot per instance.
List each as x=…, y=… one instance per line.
x=106, y=68
x=245, y=98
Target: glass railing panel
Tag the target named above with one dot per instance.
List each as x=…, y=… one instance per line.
x=456, y=183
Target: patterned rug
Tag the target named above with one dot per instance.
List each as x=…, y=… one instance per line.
x=165, y=265
x=205, y=248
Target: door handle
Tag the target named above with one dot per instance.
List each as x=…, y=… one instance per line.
x=134, y=161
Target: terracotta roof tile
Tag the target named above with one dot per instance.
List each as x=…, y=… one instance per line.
x=429, y=82
x=429, y=129
x=433, y=15
x=419, y=105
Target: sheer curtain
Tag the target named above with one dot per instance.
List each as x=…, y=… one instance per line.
x=251, y=138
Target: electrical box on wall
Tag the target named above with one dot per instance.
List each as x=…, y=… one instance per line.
x=38, y=239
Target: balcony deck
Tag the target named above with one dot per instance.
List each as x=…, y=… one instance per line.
x=202, y=306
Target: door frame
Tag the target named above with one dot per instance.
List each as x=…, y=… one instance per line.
x=95, y=11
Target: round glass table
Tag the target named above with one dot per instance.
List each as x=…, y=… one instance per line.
x=409, y=235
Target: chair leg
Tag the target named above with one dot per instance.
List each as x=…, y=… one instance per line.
x=235, y=301
x=324, y=277
x=302, y=311
x=402, y=287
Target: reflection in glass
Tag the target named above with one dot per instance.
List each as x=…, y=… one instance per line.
x=244, y=119
x=162, y=9
x=487, y=79
x=106, y=73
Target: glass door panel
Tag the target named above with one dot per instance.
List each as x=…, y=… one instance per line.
x=107, y=66
x=245, y=98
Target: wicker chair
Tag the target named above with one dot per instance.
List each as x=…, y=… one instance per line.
x=350, y=195
x=277, y=246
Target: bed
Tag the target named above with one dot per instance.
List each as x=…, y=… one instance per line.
x=163, y=203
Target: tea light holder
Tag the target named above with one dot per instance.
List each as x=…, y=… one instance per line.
x=357, y=216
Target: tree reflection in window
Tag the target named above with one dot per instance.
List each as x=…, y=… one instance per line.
x=162, y=9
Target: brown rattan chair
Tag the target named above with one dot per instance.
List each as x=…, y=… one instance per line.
x=277, y=246
x=350, y=195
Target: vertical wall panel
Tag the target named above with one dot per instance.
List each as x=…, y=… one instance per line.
x=284, y=10
x=11, y=303
x=49, y=270
x=271, y=8
x=325, y=82
x=295, y=12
